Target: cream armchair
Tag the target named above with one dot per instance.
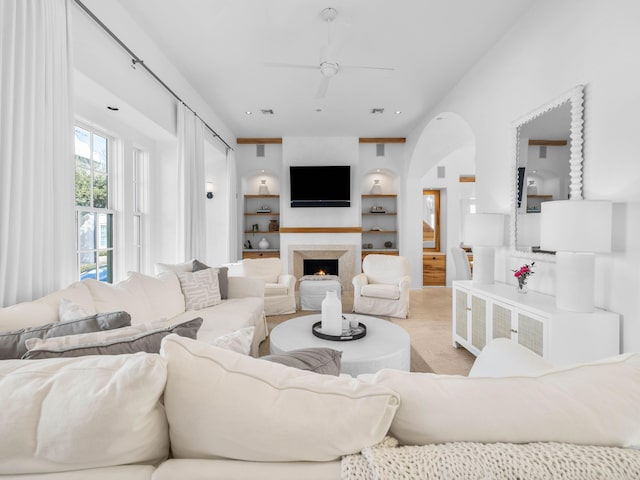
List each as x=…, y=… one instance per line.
x=383, y=287
x=279, y=289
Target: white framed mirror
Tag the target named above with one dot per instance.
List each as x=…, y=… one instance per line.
x=547, y=165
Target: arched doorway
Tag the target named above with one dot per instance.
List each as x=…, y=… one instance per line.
x=444, y=152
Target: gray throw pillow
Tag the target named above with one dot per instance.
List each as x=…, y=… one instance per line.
x=12, y=342
x=223, y=282
x=319, y=360
x=143, y=342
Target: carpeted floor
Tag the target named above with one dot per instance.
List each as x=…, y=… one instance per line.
x=428, y=325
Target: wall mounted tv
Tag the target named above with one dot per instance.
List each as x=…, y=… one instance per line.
x=320, y=186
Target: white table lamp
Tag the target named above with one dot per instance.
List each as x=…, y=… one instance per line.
x=484, y=232
x=576, y=230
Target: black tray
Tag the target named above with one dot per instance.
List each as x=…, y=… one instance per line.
x=346, y=335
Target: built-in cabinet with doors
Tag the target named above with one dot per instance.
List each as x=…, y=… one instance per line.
x=484, y=312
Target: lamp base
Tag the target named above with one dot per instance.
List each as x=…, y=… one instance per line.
x=575, y=281
x=484, y=265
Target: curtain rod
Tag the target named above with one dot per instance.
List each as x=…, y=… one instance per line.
x=135, y=60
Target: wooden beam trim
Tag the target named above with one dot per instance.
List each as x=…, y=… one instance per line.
x=549, y=143
x=467, y=178
x=382, y=140
x=258, y=141
x=320, y=229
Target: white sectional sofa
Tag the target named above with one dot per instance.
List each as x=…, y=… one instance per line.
x=196, y=412
x=147, y=299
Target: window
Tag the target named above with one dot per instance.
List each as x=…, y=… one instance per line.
x=139, y=207
x=94, y=218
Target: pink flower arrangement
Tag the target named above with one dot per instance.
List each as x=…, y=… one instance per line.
x=522, y=274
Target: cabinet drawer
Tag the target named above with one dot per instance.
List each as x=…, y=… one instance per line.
x=434, y=269
x=260, y=254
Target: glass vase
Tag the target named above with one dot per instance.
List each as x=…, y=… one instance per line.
x=522, y=288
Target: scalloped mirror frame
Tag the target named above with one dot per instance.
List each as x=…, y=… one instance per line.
x=576, y=97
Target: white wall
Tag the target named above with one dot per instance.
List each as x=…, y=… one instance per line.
x=553, y=47
x=104, y=73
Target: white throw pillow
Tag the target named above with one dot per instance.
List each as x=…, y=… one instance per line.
x=200, y=289
x=238, y=341
x=588, y=404
x=71, y=311
x=223, y=404
x=78, y=413
x=174, y=267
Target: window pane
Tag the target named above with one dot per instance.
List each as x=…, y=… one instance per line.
x=106, y=268
x=83, y=187
x=105, y=232
x=99, y=153
x=82, y=143
x=100, y=189
x=87, y=270
x=86, y=237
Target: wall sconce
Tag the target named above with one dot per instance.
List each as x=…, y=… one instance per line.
x=576, y=230
x=209, y=188
x=484, y=232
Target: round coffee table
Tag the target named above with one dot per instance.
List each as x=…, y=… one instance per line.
x=386, y=345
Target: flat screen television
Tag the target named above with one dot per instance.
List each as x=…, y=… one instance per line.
x=320, y=186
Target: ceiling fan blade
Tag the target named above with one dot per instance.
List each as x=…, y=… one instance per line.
x=365, y=67
x=322, y=88
x=290, y=65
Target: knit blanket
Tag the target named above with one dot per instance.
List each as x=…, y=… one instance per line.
x=496, y=461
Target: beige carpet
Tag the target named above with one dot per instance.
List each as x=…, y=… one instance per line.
x=428, y=325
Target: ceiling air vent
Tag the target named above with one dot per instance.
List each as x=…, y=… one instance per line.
x=267, y=111
x=377, y=111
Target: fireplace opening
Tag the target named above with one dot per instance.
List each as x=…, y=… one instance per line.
x=325, y=266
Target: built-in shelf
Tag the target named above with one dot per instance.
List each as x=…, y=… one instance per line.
x=373, y=241
x=253, y=203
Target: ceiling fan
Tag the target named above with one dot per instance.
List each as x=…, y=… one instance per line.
x=328, y=66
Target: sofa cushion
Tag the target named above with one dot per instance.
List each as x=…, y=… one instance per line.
x=223, y=280
x=379, y=290
x=588, y=404
x=269, y=412
x=51, y=409
x=319, y=360
x=45, y=310
x=148, y=342
x=268, y=269
x=200, y=288
x=12, y=343
x=174, y=267
x=503, y=357
x=146, y=298
x=275, y=290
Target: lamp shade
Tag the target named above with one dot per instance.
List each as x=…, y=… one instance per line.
x=576, y=226
x=483, y=229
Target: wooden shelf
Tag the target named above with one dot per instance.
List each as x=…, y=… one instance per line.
x=262, y=196
x=273, y=214
x=379, y=231
x=262, y=233
x=379, y=214
x=379, y=195
x=539, y=196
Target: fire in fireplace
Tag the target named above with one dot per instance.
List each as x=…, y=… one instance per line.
x=325, y=266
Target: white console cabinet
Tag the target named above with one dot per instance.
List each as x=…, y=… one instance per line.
x=485, y=312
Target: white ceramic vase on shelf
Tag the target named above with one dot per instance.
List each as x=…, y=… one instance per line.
x=376, y=189
x=331, y=314
x=263, y=244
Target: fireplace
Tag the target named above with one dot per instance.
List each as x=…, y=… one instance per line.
x=345, y=255
x=322, y=266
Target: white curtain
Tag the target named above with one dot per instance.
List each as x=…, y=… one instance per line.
x=232, y=188
x=192, y=232
x=37, y=242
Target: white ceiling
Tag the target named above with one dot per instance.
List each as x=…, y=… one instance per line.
x=221, y=46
